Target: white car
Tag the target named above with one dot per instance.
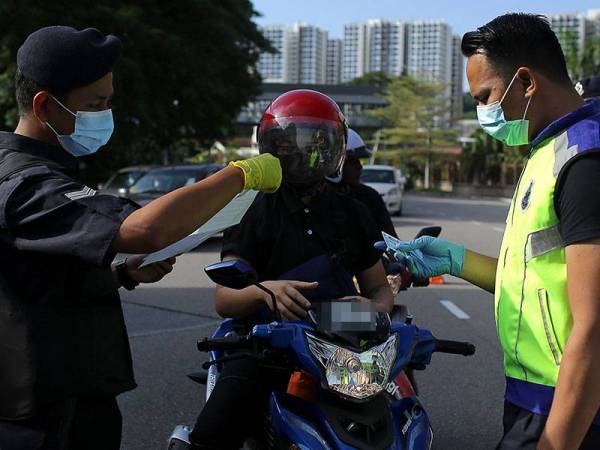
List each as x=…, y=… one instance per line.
x=389, y=182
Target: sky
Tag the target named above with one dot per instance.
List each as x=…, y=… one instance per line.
x=462, y=15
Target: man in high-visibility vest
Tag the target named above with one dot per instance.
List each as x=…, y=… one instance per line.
x=546, y=279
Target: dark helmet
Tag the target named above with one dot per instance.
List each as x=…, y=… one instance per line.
x=307, y=132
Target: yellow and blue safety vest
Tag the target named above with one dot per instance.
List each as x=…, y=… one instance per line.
x=532, y=307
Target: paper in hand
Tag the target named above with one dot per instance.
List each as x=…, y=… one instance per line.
x=229, y=216
x=391, y=242
x=394, y=244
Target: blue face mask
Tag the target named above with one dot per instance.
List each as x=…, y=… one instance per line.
x=492, y=120
x=92, y=130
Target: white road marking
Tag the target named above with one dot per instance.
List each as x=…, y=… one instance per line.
x=471, y=202
x=474, y=222
x=460, y=286
x=498, y=229
x=459, y=313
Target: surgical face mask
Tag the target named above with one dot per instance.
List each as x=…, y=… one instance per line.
x=492, y=120
x=92, y=130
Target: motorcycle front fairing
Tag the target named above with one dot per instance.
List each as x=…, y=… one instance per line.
x=396, y=422
x=399, y=422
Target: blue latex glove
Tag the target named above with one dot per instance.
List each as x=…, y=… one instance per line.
x=426, y=256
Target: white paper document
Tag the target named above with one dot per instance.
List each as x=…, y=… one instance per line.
x=229, y=216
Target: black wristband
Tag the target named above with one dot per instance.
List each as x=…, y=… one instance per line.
x=124, y=277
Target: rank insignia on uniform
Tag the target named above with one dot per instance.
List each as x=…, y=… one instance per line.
x=85, y=192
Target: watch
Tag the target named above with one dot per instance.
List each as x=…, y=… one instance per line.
x=126, y=281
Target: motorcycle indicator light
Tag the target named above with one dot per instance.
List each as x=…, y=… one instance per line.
x=303, y=385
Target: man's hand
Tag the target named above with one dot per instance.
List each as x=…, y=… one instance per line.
x=291, y=303
x=151, y=273
x=261, y=173
x=427, y=256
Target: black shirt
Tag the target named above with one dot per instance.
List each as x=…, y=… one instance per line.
x=279, y=232
x=55, y=234
x=373, y=201
x=577, y=199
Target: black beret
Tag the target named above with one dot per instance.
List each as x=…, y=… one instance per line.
x=63, y=58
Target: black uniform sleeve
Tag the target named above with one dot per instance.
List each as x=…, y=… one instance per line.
x=577, y=199
x=46, y=212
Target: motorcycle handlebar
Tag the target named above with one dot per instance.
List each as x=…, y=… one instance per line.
x=454, y=347
x=224, y=343
x=240, y=342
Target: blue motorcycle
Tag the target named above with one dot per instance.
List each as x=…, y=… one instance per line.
x=347, y=387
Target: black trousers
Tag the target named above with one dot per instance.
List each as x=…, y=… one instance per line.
x=84, y=423
x=523, y=429
x=236, y=408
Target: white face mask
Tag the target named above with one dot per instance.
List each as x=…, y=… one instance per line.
x=93, y=129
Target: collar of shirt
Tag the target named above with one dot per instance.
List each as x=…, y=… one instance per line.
x=293, y=201
x=590, y=108
x=54, y=153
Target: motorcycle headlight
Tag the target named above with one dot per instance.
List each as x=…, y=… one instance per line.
x=357, y=375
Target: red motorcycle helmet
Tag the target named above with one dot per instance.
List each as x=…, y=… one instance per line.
x=307, y=132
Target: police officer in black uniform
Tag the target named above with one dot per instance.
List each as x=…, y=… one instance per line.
x=64, y=351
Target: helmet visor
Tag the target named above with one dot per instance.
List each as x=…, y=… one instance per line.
x=309, y=149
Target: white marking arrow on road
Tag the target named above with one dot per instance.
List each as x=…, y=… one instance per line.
x=459, y=313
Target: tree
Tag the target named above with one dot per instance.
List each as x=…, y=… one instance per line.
x=482, y=159
x=416, y=117
x=379, y=79
x=581, y=62
x=590, y=60
x=469, y=106
x=486, y=159
x=186, y=69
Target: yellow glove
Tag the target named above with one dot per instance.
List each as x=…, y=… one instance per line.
x=261, y=173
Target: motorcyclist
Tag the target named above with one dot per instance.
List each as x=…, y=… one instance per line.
x=348, y=182
x=306, y=243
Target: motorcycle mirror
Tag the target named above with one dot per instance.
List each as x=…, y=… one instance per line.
x=234, y=274
x=429, y=231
